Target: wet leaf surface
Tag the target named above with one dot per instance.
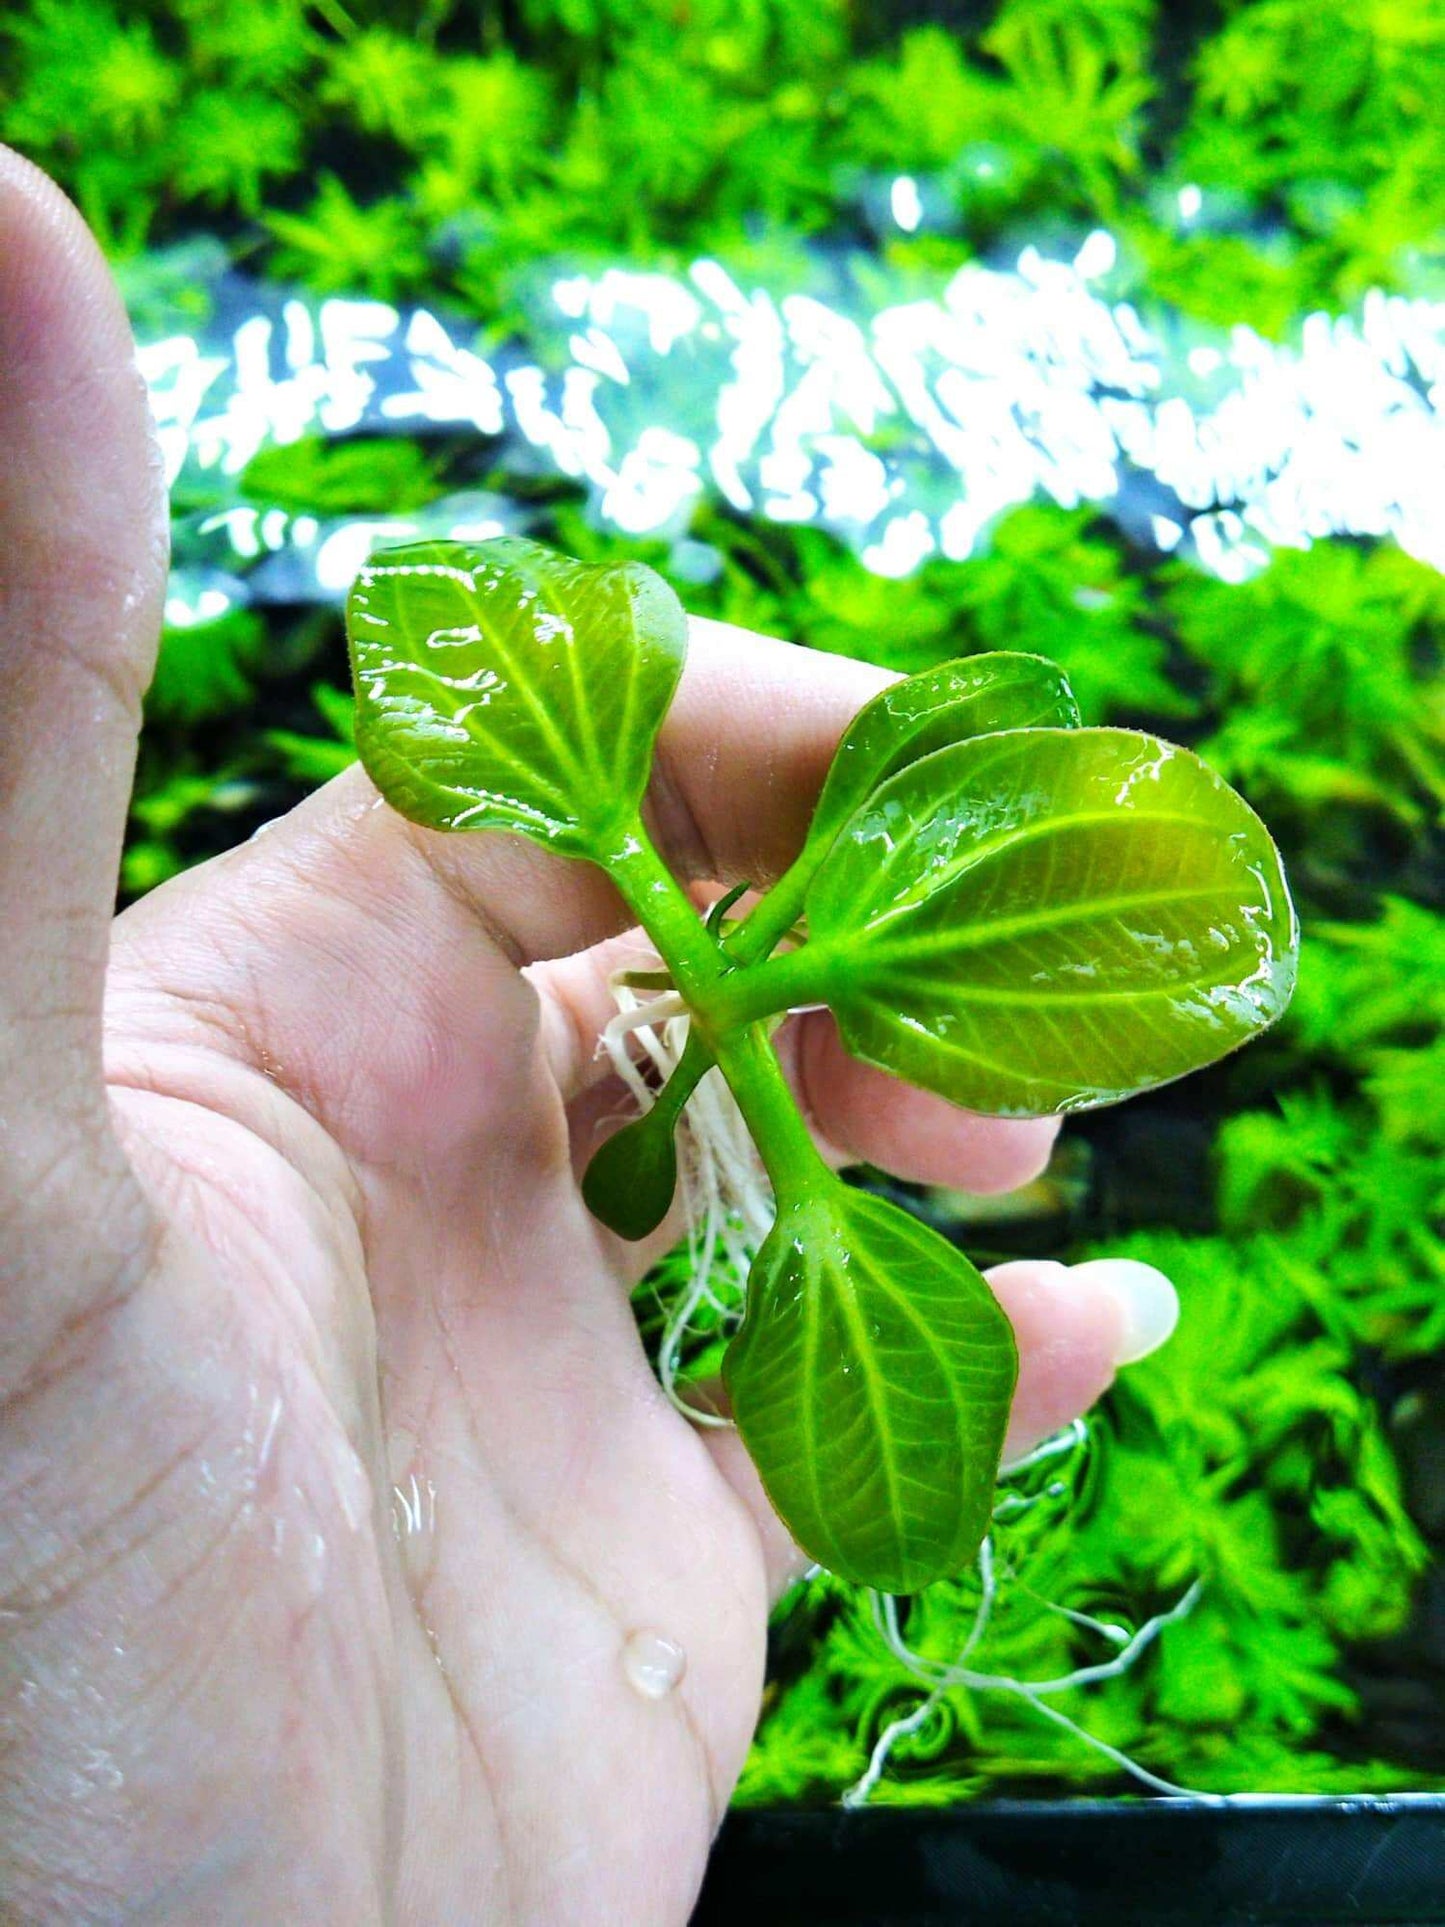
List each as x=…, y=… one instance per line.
x=871, y=1383
x=503, y=686
x=910, y=719
x=1052, y=919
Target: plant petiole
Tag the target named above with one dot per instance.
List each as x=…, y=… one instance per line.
x=746, y=944
x=703, y=974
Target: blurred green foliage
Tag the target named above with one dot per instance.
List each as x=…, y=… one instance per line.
x=379, y=147
x=443, y=151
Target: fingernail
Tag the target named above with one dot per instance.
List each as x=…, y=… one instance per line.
x=1145, y=1297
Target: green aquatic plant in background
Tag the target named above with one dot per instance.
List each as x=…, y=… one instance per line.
x=1244, y=1456
x=1281, y=1448
x=470, y=148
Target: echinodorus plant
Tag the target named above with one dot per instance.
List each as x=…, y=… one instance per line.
x=1022, y=914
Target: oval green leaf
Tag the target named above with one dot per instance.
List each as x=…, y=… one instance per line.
x=502, y=686
x=630, y=1180
x=974, y=696
x=1051, y=919
x=871, y=1382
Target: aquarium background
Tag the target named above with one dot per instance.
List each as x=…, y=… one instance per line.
x=1106, y=330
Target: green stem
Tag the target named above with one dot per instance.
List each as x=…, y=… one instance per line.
x=754, y=938
x=770, y=919
x=703, y=974
x=784, y=982
x=663, y=908
x=688, y=1072
x=792, y=1161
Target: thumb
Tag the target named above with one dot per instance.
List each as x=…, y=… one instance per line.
x=82, y=566
x=82, y=569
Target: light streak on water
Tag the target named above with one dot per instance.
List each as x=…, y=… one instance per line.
x=903, y=426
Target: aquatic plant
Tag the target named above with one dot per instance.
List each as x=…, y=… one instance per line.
x=1001, y=906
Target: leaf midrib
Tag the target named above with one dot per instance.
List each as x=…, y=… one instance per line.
x=935, y=881
x=851, y=1310
x=977, y=935
x=1001, y=994
x=490, y=633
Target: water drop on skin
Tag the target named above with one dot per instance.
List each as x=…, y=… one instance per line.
x=653, y=1664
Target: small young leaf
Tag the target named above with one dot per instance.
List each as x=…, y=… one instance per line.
x=871, y=1383
x=502, y=686
x=908, y=720
x=630, y=1181
x=1050, y=919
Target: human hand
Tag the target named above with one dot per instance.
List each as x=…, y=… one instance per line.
x=299, y=1229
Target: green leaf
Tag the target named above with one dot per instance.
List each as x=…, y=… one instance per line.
x=871, y=1383
x=502, y=686
x=1050, y=919
x=910, y=719
x=630, y=1181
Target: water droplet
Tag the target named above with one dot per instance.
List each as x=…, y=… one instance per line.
x=653, y=1663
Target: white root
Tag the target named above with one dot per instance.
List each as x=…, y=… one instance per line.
x=727, y=1204
x=945, y=1677
x=885, y=1617
x=639, y=1019
x=942, y=1676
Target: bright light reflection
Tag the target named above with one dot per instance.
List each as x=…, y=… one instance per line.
x=904, y=427
x=905, y=203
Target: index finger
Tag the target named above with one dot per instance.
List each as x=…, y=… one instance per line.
x=745, y=748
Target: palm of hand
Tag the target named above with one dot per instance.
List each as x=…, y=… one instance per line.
x=392, y=1288
x=334, y=1483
